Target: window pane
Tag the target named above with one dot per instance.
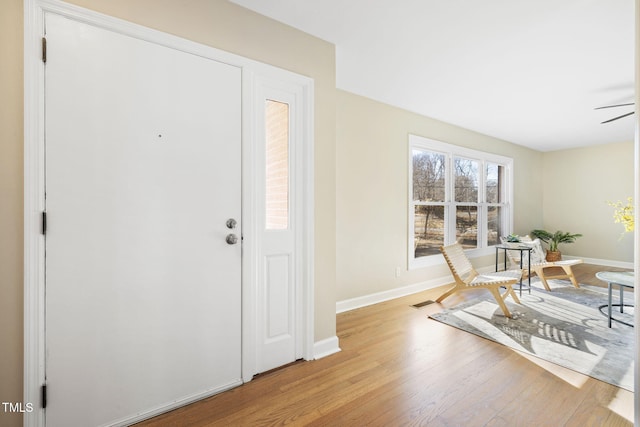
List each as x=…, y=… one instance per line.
x=467, y=226
x=429, y=230
x=277, y=165
x=494, y=225
x=428, y=176
x=495, y=174
x=466, y=180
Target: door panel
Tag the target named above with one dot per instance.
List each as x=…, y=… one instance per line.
x=278, y=318
x=142, y=173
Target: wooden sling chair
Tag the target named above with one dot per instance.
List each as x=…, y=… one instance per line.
x=467, y=278
x=539, y=263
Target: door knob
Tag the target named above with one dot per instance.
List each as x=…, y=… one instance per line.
x=231, y=223
x=232, y=239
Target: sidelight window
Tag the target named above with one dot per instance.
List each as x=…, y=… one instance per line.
x=277, y=165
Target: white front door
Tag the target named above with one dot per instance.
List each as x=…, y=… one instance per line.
x=143, y=291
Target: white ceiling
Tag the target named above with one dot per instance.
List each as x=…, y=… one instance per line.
x=526, y=71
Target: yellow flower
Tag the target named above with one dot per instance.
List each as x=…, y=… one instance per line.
x=623, y=214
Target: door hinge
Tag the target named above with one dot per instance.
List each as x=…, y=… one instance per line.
x=44, y=396
x=44, y=223
x=44, y=50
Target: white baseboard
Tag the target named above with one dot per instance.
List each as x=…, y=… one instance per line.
x=366, y=300
x=363, y=301
x=605, y=262
x=326, y=347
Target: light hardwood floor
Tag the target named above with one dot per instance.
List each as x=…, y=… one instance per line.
x=398, y=367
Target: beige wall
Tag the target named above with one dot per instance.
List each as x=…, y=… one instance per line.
x=11, y=207
x=565, y=190
x=213, y=22
x=372, y=192
x=577, y=185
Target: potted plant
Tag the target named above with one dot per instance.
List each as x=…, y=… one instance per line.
x=553, y=240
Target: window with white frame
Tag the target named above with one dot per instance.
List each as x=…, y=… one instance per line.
x=456, y=194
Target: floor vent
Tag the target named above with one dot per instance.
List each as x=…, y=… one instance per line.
x=423, y=303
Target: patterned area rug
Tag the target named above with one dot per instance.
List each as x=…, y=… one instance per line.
x=564, y=327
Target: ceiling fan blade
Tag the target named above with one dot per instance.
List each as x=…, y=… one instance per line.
x=617, y=105
x=619, y=117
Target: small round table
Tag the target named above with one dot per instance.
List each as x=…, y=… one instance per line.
x=521, y=249
x=624, y=279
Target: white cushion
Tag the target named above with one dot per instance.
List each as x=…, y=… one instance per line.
x=537, y=253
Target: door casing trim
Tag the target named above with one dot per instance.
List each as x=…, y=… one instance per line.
x=34, y=186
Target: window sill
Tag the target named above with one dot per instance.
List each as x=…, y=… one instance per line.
x=438, y=259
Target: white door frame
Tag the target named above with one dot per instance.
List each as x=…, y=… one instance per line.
x=34, y=185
